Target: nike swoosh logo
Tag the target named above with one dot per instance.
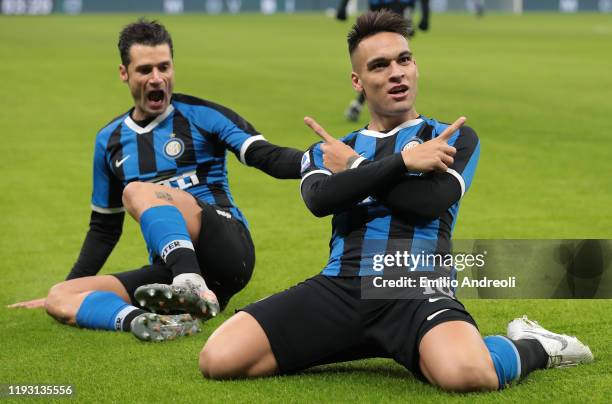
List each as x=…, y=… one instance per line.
x=436, y=299
x=118, y=163
x=551, y=336
x=429, y=318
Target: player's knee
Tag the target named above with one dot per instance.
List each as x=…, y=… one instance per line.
x=465, y=375
x=131, y=193
x=219, y=363
x=54, y=298
x=207, y=362
x=57, y=305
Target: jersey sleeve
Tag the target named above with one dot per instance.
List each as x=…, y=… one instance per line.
x=312, y=162
x=107, y=189
x=463, y=168
x=238, y=135
x=235, y=132
x=276, y=161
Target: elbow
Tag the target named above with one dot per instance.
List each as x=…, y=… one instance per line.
x=319, y=211
x=317, y=208
x=434, y=210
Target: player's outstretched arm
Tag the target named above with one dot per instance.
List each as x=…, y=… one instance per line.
x=239, y=136
x=29, y=304
x=276, y=161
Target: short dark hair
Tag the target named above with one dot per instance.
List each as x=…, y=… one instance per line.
x=372, y=23
x=142, y=32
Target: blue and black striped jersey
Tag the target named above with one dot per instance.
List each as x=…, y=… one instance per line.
x=371, y=226
x=185, y=147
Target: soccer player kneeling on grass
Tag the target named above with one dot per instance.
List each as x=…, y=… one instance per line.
x=396, y=183
x=164, y=162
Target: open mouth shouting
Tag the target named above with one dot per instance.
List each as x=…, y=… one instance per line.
x=399, y=92
x=156, y=99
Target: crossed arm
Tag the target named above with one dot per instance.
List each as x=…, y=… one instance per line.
x=428, y=195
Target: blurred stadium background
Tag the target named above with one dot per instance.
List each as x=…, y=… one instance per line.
x=42, y=7
x=534, y=85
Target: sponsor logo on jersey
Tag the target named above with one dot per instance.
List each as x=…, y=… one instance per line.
x=415, y=141
x=174, y=148
x=119, y=163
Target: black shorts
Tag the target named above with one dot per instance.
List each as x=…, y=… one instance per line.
x=225, y=253
x=324, y=320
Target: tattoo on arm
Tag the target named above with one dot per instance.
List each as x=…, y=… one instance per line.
x=163, y=195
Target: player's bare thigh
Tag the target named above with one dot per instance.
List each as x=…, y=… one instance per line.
x=140, y=196
x=65, y=298
x=238, y=348
x=454, y=357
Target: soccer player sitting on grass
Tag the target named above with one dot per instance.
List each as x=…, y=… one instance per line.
x=164, y=161
x=395, y=185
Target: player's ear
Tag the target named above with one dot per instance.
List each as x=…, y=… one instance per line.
x=123, y=73
x=356, y=82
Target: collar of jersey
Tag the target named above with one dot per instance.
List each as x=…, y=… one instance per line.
x=138, y=129
x=393, y=131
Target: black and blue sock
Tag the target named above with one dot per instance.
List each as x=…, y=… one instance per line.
x=165, y=232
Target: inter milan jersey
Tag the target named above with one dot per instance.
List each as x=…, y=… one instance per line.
x=185, y=148
x=369, y=228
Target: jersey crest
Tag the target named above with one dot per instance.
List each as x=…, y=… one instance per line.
x=174, y=147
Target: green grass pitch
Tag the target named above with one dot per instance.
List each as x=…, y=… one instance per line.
x=536, y=88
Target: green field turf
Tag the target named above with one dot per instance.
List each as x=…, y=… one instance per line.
x=536, y=88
